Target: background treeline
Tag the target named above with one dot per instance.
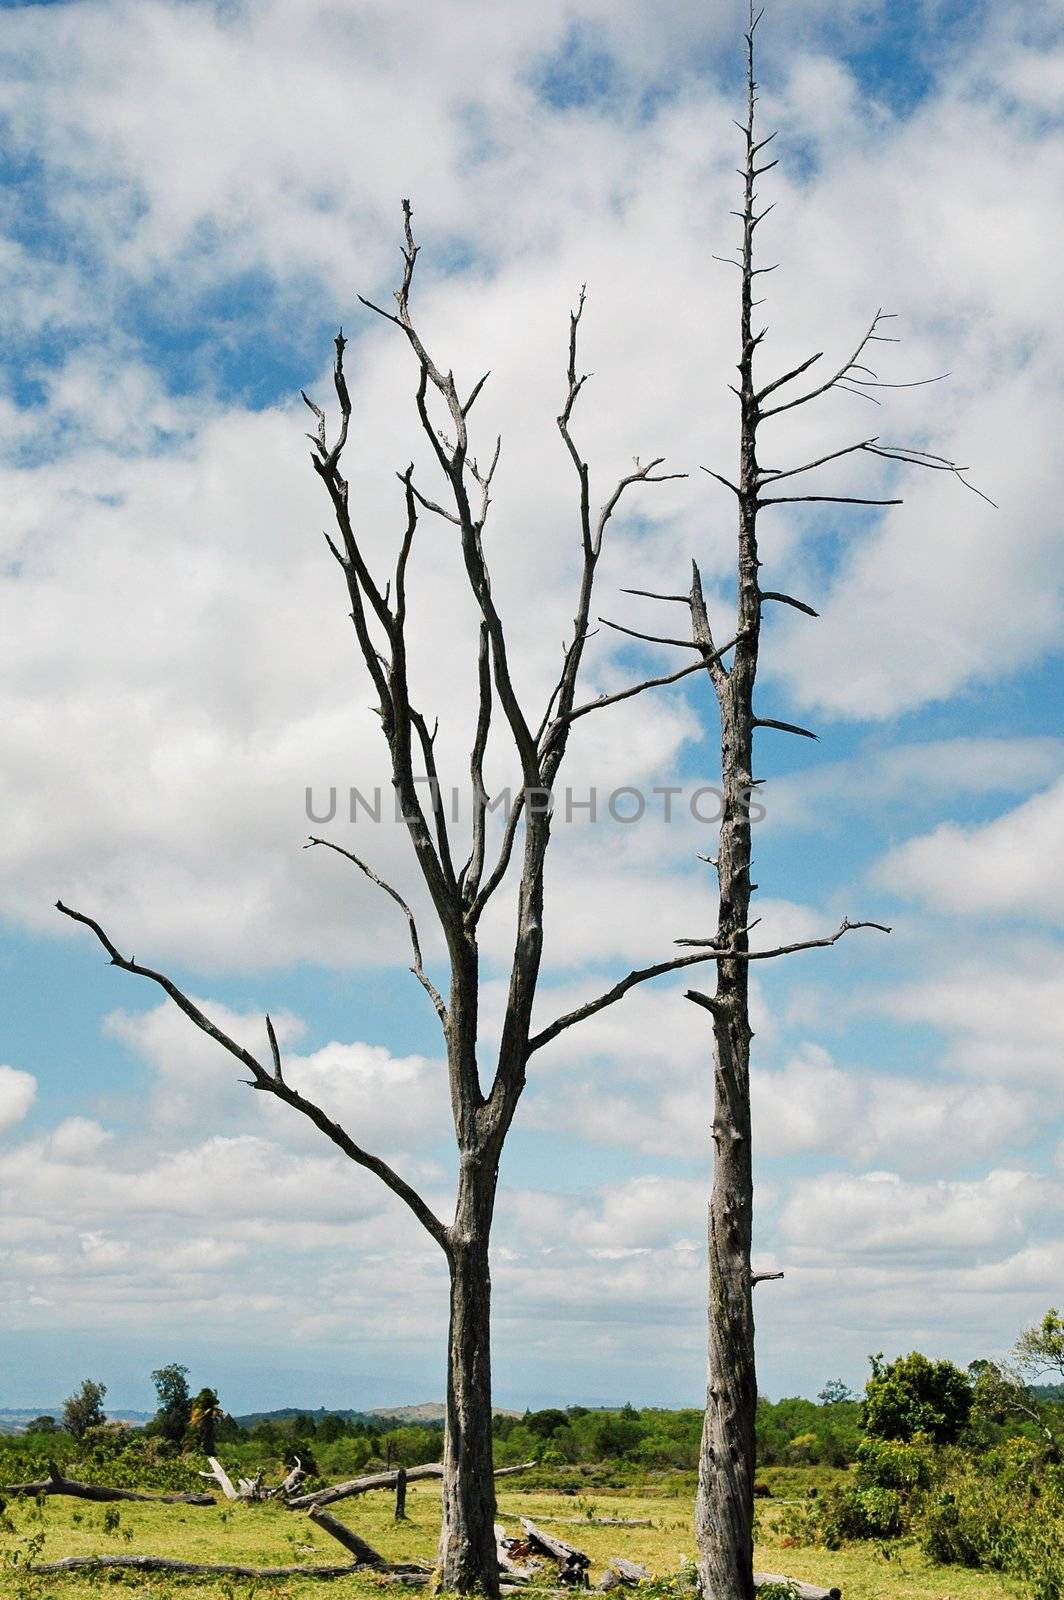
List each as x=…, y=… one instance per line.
x=621, y=1447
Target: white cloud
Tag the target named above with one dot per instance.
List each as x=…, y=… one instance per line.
x=1001, y=1012
x=1013, y=866
x=914, y=776
x=878, y=1214
x=18, y=1091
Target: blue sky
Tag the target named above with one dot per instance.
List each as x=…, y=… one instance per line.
x=194, y=196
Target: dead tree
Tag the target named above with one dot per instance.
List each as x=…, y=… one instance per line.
x=459, y=891
x=724, y=1513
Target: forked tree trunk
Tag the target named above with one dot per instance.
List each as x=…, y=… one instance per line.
x=467, y=1558
x=459, y=893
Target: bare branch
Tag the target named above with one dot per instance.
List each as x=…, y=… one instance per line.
x=834, y=499
x=471, y=402
x=915, y=383
x=651, y=638
x=768, y=474
x=439, y=815
x=611, y=996
x=650, y=683
x=261, y=1079
x=725, y=481
x=471, y=873
x=932, y=463
x=846, y=926
x=784, y=727
x=812, y=394
x=649, y=594
x=431, y=505
x=789, y=600
x=704, y=634
x=499, y=870
x=795, y=372
x=417, y=969
x=275, y=1049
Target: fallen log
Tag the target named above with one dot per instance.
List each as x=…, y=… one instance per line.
x=55, y=1483
x=221, y=1477
x=803, y=1591
x=226, y=1569
x=291, y=1482
x=505, y=1559
x=363, y=1552
x=375, y=1480
x=572, y=1563
x=380, y=1480
x=626, y=1573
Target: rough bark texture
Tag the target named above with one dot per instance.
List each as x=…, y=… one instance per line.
x=467, y=1533
x=724, y=1513
x=359, y=1548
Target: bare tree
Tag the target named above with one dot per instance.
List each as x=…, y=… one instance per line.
x=482, y=1108
x=724, y=1511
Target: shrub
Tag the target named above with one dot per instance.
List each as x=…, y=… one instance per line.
x=890, y=1464
x=914, y=1395
x=855, y=1513
x=1004, y=1511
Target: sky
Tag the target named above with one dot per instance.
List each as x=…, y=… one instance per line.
x=194, y=196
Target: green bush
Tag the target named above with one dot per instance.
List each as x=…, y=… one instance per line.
x=914, y=1395
x=1005, y=1511
x=890, y=1464
x=855, y=1513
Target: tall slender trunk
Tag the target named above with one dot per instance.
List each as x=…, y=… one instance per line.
x=724, y=1510
x=467, y=1559
x=725, y=1504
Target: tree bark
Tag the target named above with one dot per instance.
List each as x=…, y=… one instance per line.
x=724, y=1508
x=467, y=1558
x=382, y=1480
x=362, y=1552
x=803, y=1591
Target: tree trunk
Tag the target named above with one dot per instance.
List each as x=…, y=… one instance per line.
x=467, y=1559
x=724, y=1509
x=724, y=1512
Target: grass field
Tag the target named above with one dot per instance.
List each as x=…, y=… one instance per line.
x=267, y=1535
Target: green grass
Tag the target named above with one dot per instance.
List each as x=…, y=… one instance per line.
x=267, y=1535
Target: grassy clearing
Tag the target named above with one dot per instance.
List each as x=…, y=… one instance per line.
x=267, y=1535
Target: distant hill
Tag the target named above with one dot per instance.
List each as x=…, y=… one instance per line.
x=428, y=1414
x=13, y=1419
x=286, y=1413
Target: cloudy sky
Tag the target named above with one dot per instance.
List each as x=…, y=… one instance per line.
x=195, y=195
